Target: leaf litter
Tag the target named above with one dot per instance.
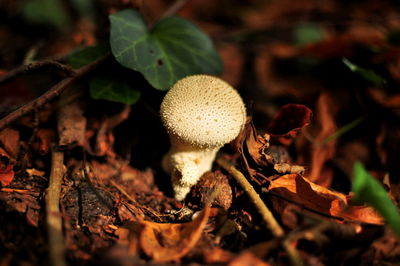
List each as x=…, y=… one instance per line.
x=116, y=203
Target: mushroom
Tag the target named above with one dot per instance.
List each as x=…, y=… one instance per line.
x=201, y=113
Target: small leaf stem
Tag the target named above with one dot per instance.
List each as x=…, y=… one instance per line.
x=53, y=92
x=266, y=214
x=54, y=217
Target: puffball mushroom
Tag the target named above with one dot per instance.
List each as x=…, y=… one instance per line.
x=201, y=113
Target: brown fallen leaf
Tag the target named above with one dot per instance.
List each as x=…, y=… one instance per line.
x=262, y=159
x=344, y=45
x=247, y=259
x=101, y=132
x=217, y=255
x=319, y=199
x=71, y=124
x=248, y=144
x=208, y=184
x=9, y=139
x=34, y=172
x=321, y=153
x=288, y=122
x=6, y=168
x=45, y=138
x=170, y=242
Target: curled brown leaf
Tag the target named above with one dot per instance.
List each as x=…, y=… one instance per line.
x=170, y=242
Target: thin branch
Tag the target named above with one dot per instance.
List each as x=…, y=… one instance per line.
x=133, y=200
x=34, y=66
x=266, y=214
x=54, y=218
x=52, y=93
x=172, y=10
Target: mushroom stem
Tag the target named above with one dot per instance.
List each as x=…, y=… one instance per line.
x=201, y=114
x=186, y=164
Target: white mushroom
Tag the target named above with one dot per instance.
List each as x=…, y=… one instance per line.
x=201, y=114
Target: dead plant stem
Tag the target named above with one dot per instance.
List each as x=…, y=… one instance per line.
x=34, y=66
x=266, y=214
x=172, y=10
x=54, y=217
x=55, y=91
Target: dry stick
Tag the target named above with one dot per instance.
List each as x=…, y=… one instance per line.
x=266, y=214
x=34, y=66
x=54, y=218
x=126, y=194
x=173, y=9
x=50, y=94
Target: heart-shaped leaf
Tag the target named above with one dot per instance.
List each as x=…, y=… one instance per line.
x=87, y=55
x=173, y=49
x=111, y=89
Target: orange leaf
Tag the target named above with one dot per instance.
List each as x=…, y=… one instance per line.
x=319, y=199
x=170, y=242
x=6, y=169
x=9, y=139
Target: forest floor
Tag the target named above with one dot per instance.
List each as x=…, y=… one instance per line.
x=312, y=179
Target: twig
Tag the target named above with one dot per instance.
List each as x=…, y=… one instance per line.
x=173, y=9
x=34, y=66
x=50, y=94
x=15, y=190
x=266, y=214
x=132, y=199
x=54, y=218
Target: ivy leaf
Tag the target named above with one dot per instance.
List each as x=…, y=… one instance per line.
x=108, y=88
x=173, y=49
x=368, y=190
x=87, y=55
x=367, y=74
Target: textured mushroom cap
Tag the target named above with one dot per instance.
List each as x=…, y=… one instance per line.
x=204, y=111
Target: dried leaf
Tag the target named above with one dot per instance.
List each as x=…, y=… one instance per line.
x=102, y=131
x=247, y=259
x=217, y=256
x=322, y=153
x=320, y=199
x=342, y=45
x=6, y=168
x=45, y=137
x=170, y=242
x=248, y=143
x=71, y=124
x=34, y=172
x=289, y=120
x=9, y=139
x=209, y=183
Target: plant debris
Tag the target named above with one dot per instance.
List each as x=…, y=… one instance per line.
x=312, y=179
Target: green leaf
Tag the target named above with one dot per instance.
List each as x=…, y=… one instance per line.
x=308, y=33
x=343, y=130
x=47, y=12
x=87, y=55
x=108, y=88
x=367, y=74
x=368, y=190
x=173, y=49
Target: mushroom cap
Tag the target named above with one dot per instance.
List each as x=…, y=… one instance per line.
x=204, y=111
